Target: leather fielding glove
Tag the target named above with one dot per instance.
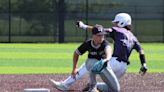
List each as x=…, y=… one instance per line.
x=99, y=66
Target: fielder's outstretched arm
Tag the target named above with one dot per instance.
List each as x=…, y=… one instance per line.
x=108, y=53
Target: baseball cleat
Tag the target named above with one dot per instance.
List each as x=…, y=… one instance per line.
x=93, y=88
x=58, y=85
x=90, y=88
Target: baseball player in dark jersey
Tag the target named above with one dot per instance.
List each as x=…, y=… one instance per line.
x=124, y=43
x=98, y=49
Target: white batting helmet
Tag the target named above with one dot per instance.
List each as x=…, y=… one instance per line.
x=123, y=19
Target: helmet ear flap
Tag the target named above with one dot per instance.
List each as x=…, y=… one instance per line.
x=121, y=24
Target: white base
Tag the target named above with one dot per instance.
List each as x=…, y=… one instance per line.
x=36, y=90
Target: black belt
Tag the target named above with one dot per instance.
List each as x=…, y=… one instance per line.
x=121, y=60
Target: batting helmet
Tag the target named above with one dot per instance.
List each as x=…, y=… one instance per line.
x=122, y=19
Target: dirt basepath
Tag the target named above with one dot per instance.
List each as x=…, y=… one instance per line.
x=153, y=82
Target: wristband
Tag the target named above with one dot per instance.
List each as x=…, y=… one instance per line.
x=142, y=59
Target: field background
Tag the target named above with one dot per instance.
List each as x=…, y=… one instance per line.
x=57, y=58
x=31, y=30
x=72, y=34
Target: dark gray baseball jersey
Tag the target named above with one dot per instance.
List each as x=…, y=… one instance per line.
x=96, y=52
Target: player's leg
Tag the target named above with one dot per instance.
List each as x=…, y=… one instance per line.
x=89, y=63
x=92, y=83
x=69, y=81
x=81, y=72
x=119, y=68
x=91, y=86
x=108, y=76
x=103, y=87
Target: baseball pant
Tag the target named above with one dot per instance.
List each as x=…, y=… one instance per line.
x=84, y=69
x=119, y=69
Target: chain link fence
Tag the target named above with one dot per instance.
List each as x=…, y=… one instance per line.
x=54, y=20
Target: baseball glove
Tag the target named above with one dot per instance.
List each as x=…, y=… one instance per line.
x=99, y=66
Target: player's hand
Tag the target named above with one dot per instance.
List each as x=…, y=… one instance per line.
x=80, y=24
x=74, y=73
x=143, y=70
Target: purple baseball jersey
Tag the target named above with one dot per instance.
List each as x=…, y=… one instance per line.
x=124, y=42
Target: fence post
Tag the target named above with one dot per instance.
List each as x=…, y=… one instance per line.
x=61, y=15
x=163, y=21
x=86, y=15
x=9, y=16
x=135, y=16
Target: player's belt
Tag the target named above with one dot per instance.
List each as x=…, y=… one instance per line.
x=121, y=60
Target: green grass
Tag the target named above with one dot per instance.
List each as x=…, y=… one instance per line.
x=57, y=58
x=154, y=57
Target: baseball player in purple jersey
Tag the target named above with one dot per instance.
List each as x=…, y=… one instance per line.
x=124, y=43
x=98, y=51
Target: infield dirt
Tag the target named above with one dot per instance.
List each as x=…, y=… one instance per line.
x=151, y=82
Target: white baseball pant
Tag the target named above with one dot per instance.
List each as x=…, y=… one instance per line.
x=84, y=69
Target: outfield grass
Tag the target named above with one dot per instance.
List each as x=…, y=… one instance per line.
x=57, y=58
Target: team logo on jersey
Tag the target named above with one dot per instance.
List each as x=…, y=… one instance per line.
x=93, y=53
x=127, y=42
x=101, y=52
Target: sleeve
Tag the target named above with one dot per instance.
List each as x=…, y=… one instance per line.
x=137, y=45
x=82, y=48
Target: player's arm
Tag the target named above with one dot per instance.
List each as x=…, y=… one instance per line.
x=143, y=68
x=79, y=51
x=81, y=25
x=75, y=65
x=108, y=52
x=142, y=57
x=141, y=54
x=75, y=60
